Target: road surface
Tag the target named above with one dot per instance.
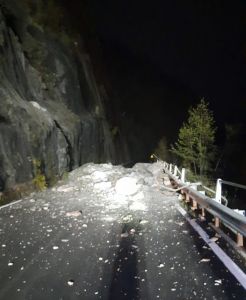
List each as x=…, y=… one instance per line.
x=107, y=233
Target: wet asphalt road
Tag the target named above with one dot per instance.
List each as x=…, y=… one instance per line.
x=85, y=240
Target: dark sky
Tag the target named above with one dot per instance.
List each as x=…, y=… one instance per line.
x=201, y=44
x=174, y=53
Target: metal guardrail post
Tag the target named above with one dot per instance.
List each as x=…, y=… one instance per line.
x=239, y=240
x=183, y=175
x=218, y=192
x=175, y=171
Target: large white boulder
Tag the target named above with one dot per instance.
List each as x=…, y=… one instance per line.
x=127, y=186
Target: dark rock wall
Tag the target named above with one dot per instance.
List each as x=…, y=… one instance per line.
x=51, y=110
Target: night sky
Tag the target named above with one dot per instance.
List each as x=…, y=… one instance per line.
x=200, y=44
x=161, y=57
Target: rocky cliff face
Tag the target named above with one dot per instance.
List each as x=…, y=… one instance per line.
x=51, y=109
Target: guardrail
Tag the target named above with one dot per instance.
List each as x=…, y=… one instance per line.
x=222, y=214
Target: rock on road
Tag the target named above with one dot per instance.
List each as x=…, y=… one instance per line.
x=107, y=233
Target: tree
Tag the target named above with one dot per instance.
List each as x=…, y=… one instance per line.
x=195, y=145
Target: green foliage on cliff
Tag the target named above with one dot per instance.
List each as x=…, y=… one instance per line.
x=48, y=14
x=114, y=131
x=195, y=146
x=39, y=180
x=1, y=199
